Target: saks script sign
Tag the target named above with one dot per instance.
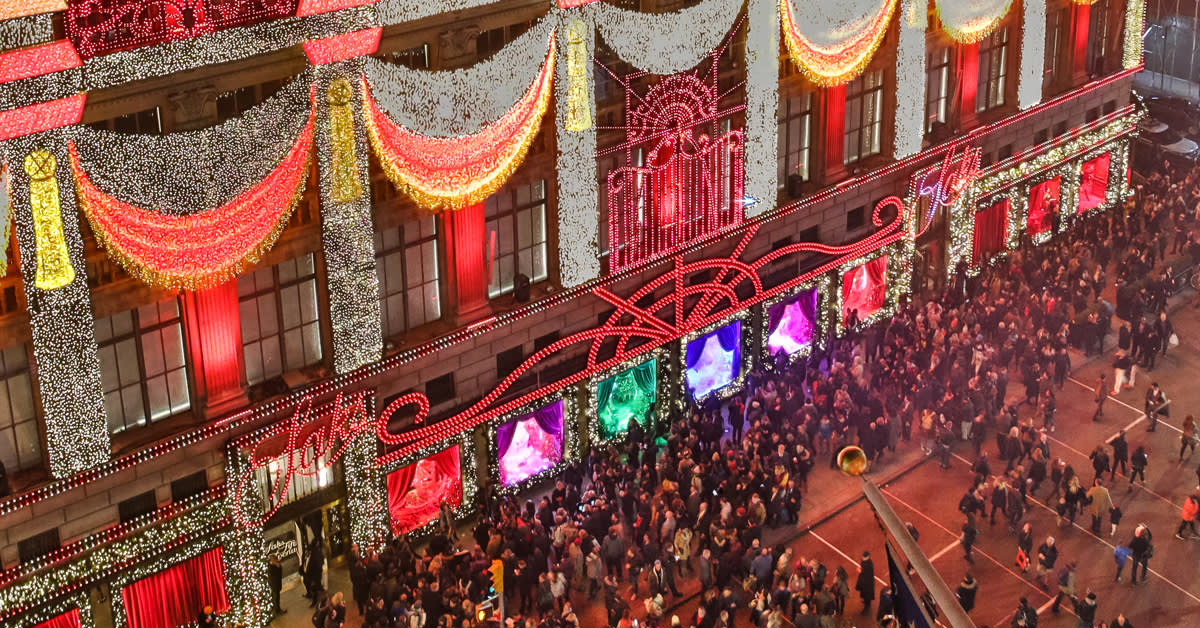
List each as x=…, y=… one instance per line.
x=311, y=441
x=945, y=183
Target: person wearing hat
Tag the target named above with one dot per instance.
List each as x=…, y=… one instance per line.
x=207, y=618
x=966, y=592
x=1066, y=586
x=1085, y=609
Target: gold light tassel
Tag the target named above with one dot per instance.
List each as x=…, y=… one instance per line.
x=54, y=269
x=579, y=109
x=344, y=165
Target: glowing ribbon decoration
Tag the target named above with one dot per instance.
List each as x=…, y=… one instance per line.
x=834, y=49
x=196, y=251
x=347, y=187
x=579, y=64
x=54, y=269
x=451, y=173
x=970, y=21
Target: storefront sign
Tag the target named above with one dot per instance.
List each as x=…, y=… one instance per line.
x=943, y=185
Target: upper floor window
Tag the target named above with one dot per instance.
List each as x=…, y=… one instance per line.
x=281, y=328
x=1101, y=29
x=1057, y=28
x=864, y=116
x=993, y=70
x=147, y=121
x=937, y=87
x=143, y=367
x=516, y=232
x=406, y=260
x=795, y=137
x=19, y=444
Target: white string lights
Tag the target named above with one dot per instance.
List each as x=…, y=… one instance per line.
x=189, y=172
x=578, y=190
x=64, y=342
x=347, y=228
x=1033, y=53
x=666, y=43
x=460, y=102
x=762, y=105
x=910, y=78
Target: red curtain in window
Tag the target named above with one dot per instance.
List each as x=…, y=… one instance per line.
x=69, y=619
x=1043, y=206
x=865, y=288
x=991, y=231
x=1093, y=183
x=174, y=597
x=416, y=491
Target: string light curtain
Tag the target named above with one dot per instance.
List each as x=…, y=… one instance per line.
x=201, y=250
x=970, y=21
x=832, y=42
x=452, y=173
x=175, y=596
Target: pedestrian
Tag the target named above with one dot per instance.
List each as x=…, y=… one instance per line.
x=1047, y=555
x=1066, y=586
x=275, y=580
x=1101, y=502
x=1099, y=459
x=1024, y=546
x=865, y=584
x=1121, y=366
x=1121, y=555
x=841, y=590
x=1156, y=404
x=1120, y=455
x=966, y=592
x=1101, y=397
x=1114, y=518
x=1141, y=551
x=1188, y=437
x=1138, y=462
x=1191, y=507
x=969, y=534
x=1085, y=610
x=1120, y=622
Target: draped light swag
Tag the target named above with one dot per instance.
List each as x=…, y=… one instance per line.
x=199, y=250
x=969, y=21
x=666, y=43
x=459, y=102
x=454, y=172
x=832, y=42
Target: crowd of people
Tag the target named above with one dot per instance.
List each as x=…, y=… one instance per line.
x=691, y=499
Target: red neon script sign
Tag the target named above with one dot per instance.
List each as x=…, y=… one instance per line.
x=944, y=184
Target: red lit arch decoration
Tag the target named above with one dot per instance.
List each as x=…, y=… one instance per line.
x=196, y=251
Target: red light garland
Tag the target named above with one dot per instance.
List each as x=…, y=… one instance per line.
x=313, y=7
x=200, y=250
x=38, y=60
x=342, y=47
x=451, y=173
x=41, y=117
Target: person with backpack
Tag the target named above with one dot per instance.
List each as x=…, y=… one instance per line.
x=1191, y=507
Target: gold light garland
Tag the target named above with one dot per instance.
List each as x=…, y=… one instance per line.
x=344, y=160
x=54, y=269
x=835, y=64
x=452, y=173
x=579, y=63
x=971, y=24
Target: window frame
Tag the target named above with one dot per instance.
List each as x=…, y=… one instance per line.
x=401, y=248
x=137, y=333
x=940, y=100
x=9, y=422
x=796, y=109
x=861, y=91
x=277, y=288
x=991, y=90
x=493, y=217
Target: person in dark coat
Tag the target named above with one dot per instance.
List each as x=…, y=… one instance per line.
x=313, y=570
x=275, y=580
x=865, y=584
x=966, y=592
